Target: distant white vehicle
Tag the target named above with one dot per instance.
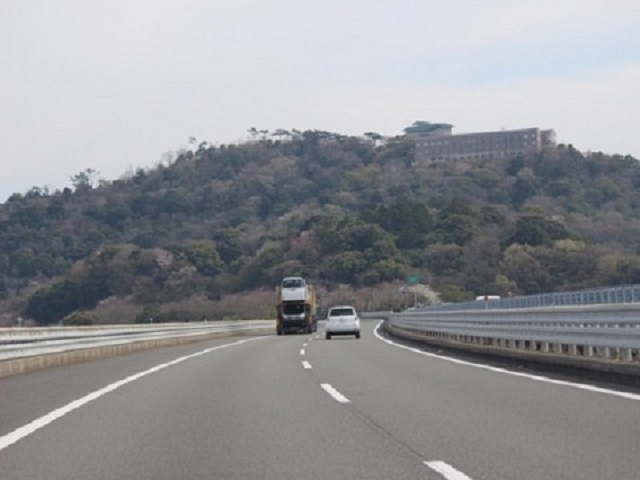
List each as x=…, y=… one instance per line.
x=342, y=320
x=486, y=298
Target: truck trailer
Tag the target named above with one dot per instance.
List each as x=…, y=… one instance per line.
x=295, y=306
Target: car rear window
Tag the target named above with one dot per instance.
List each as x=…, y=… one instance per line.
x=338, y=312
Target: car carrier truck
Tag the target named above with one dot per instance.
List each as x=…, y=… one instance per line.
x=295, y=306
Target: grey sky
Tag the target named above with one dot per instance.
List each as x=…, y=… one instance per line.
x=116, y=85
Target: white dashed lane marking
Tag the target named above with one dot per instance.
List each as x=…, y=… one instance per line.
x=337, y=396
x=447, y=471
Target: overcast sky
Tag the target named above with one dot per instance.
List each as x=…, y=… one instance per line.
x=117, y=85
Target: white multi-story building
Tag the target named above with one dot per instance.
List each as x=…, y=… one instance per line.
x=435, y=142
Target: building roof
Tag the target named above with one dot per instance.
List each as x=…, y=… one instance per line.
x=421, y=126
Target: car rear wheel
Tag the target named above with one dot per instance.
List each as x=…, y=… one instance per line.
x=357, y=335
x=328, y=336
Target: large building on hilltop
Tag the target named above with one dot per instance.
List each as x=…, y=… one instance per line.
x=435, y=142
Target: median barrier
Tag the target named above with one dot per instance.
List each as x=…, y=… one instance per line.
x=74, y=354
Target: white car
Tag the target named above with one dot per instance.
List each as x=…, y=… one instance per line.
x=342, y=320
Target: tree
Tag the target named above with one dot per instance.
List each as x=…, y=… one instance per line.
x=389, y=269
x=619, y=269
x=408, y=221
x=522, y=190
x=281, y=134
x=23, y=262
x=444, y=259
x=458, y=229
x=535, y=230
x=515, y=165
x=85, y=180
x=149, y=314
x=374, y=137
x=345, y=266
x=228, y=245
x=522, y=268
x=4, y=290
x=204, y=256
x=51, y=304
x=80, y=318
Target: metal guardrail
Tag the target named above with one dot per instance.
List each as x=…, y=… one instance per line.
x=623, y=294
x=600, y=324
x=22, y=342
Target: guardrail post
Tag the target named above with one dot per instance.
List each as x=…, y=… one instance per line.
x=605, y=352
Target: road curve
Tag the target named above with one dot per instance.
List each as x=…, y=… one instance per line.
x=301, y=407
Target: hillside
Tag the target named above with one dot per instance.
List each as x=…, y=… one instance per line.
x=193, y=238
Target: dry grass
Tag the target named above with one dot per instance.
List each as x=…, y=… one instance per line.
x=257, y=304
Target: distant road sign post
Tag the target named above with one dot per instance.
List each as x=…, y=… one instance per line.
x=413, y=280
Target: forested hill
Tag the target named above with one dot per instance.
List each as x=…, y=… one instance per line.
x=339, y=210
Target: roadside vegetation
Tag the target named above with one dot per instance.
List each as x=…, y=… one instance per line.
x=209, y=235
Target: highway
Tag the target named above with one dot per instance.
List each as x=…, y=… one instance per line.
x=301, y=407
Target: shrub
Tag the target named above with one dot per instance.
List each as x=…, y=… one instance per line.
x=79, y=318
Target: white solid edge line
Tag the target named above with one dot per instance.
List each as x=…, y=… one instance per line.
x=337, y=396
x=306, y=365
x=447, y=471
x=28, y=429
x=538, y=378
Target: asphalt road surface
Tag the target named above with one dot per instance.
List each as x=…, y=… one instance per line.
x=302, y=407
